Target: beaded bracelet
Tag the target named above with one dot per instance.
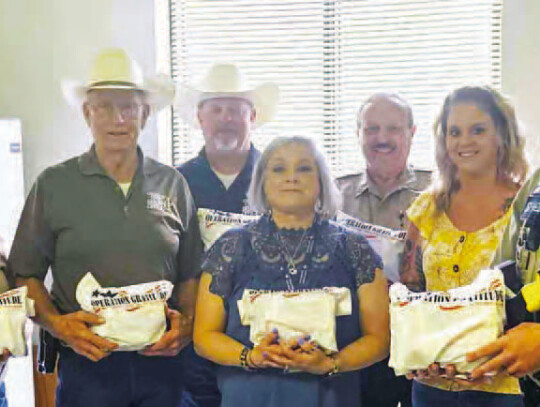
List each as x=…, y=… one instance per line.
x=243, y=358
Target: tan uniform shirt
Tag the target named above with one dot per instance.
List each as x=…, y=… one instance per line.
x=362, y=199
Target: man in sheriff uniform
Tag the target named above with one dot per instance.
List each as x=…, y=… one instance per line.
x=380, y=195
x=384, y=190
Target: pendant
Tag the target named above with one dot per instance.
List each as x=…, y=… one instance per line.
x=292, y=269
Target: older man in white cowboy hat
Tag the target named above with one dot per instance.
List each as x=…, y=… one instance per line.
x=227, y=111
x=123, y=217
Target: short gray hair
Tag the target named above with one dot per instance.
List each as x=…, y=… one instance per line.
x=395, y=98
x=329, y=201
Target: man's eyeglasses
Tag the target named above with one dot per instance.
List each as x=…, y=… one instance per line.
x=110, y=110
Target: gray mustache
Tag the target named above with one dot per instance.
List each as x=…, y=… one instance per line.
x=383, y=145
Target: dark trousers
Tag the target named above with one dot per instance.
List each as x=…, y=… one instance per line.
x=122, y=379
x=3, y=399
x=199, y=379
x=382, y=388
x=531, y=392
x=427, y=396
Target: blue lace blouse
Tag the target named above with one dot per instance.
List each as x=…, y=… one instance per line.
x=257, y=256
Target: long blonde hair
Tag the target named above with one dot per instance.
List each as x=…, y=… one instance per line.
x=511, y=162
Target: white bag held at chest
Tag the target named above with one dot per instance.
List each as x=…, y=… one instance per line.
x=295, y=313
x=134, y=315
x=15, y=307
x=443, y=326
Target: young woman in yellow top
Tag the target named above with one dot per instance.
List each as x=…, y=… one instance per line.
x=459, y=222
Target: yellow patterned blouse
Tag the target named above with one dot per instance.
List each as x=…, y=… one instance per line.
x=453, y=258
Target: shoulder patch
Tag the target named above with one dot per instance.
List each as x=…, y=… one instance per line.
x=348, y=182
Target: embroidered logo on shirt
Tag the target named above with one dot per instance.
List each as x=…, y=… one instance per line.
x=163, y=204
x=158, y=202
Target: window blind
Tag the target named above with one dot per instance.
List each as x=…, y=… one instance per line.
x=328, y=56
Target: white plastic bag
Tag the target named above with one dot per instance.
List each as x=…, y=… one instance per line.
x=134, y=315
x=387, y=243
x=214, y=223
x=443, y=326
x=295, y=313
x=15, y=307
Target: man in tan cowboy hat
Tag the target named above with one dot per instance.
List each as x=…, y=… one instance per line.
x=227, y=111
x=123, y=217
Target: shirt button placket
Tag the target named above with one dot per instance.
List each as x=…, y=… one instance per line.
x=119, y=191
x=461, y=239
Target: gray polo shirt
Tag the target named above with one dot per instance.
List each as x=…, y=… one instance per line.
x=362, y=199
x=77, y=220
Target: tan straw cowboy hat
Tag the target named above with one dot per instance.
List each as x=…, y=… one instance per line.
x=226, y=80
x=113, y=68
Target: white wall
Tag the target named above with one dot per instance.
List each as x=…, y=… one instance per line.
x=521, y=67
x=44, y=41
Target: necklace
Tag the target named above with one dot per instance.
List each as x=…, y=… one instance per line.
x=291, y=264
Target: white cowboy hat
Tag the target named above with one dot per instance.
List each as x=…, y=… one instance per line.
x=113, y=68
x=226, y=80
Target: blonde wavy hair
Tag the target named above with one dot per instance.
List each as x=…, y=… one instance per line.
x=511, y=162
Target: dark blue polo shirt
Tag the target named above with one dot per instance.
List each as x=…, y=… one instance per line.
x=207, y=189
x=209, y=192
